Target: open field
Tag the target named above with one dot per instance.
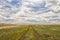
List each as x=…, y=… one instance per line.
x=30, y=32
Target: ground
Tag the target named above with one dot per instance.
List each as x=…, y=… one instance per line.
x=29, y=32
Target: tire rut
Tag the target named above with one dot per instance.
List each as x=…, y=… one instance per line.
x=23, y=35
x=35, y=34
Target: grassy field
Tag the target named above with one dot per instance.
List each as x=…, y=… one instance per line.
x=30, y=32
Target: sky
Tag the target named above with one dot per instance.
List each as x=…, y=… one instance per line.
x=30, y=11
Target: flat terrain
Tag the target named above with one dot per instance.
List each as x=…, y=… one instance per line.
x=29, y=32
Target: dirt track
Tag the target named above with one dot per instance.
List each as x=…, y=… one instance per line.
x=3, y=26
x=30, y=31
x=8, y=26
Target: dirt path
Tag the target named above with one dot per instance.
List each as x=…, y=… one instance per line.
x=23, y=35
x=3, y=27
x=30, y=34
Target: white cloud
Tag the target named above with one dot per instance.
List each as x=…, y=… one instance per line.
x=26, y=15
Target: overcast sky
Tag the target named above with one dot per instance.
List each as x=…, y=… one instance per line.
x=30, y=11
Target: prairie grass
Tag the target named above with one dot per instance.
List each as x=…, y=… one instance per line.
x=31, y=32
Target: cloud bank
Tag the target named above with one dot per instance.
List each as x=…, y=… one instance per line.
x=30, y=11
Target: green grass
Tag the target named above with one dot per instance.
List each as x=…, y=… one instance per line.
x=31, y=32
